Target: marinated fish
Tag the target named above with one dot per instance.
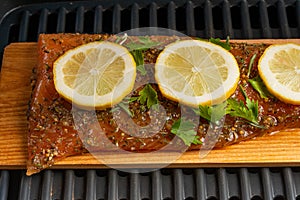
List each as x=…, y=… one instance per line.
x=55, y=132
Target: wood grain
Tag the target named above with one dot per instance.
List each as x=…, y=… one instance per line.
x=280, y=149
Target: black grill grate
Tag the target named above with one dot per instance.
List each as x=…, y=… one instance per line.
x=201, y=18
x=166, y=184
x=216, y=18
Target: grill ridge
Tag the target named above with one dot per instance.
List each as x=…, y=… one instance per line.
x=24, y=26
x=190, y=21
x=298, y=14
x=289, y=183
x=156, y=185
x=223, y=184
x=227, y=21
x=98, y=19
x=171, y=15
x=153, y=14
x=246, y=25
x=79, y=21
x=135, y=186
x=61, y=20
x=47, y=185
x=116, y=20
x=245, y=184
x=201, y=192
x=267, y=184
x=68, y=189
x=91, y=184
x=265, y=24
x=135, y=16
x=178, y=184
x=42, y=27
x=208, y=19
x=112, y=184
x=283, y=22
x=4, y=184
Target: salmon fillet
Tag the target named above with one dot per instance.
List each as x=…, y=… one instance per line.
x=56, y=133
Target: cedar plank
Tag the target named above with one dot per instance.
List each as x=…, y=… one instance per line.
x=281, y=149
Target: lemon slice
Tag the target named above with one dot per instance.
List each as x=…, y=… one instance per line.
x=97, y=74
x=279, y=68
x=196, y=73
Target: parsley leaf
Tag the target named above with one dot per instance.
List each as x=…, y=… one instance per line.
x=143, y=43
x=141, y=69
x=248, y=111
x=217, y=41
x=260, y=87
x=147, y=96
x=212, y=113
x=251, y=64
x=186, y=131
x=125, y=107
x=139, y=60
x=233, y=107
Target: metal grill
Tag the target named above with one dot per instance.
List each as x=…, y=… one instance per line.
x=166, y=184
x=216, y=18
x=201, y=18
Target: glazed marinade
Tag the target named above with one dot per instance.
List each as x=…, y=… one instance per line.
x=53, y=135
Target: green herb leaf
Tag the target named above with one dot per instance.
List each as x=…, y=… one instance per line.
x=139, y=60
x=217, y=41
x=138, y=57
x=239, y=109
x=147, y=96
x=186, y=131
x=253, y=108
x=114, y=109
x=260, y=87
x=118, y=40
x=251, y=64
x=132, y=99
x=227, y=40
x=143, y=43
x=125, y=107
x=141, y=69
x=233, y=107
x=212, y=113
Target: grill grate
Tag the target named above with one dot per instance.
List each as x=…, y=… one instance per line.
x=188, y=184
x=240, y=19
x=201, y=18
x=204, y=18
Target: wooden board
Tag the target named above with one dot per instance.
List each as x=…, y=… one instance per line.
x=281, y=149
